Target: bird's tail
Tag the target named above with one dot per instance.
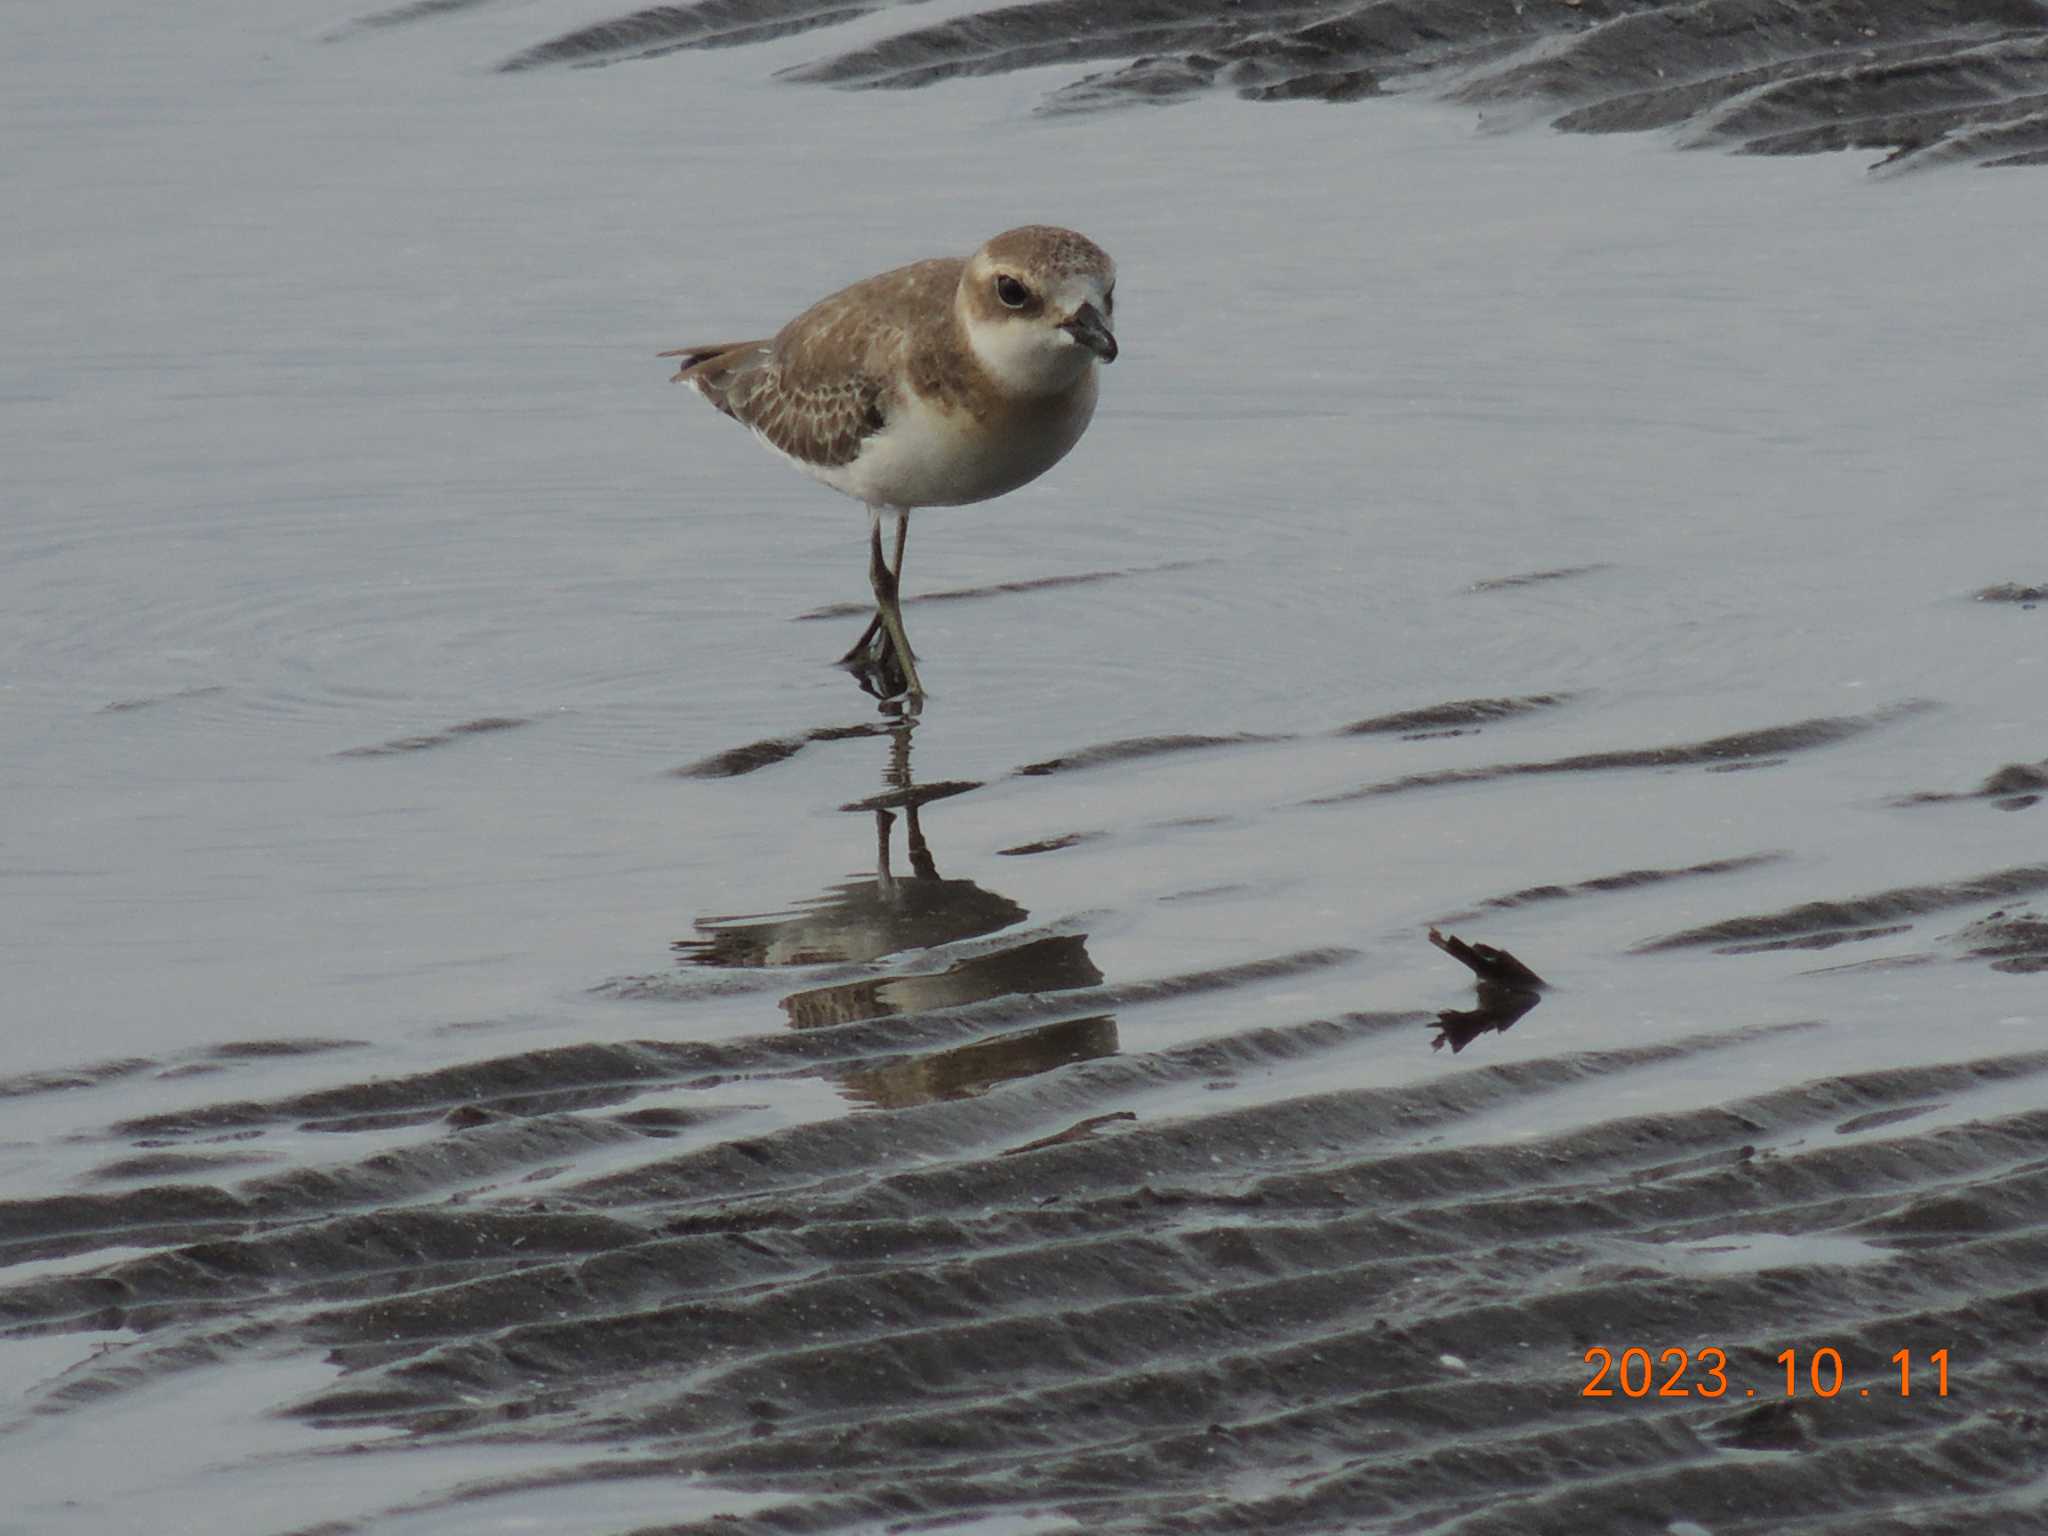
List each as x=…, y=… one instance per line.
x=713, y=367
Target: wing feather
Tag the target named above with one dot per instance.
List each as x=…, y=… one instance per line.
x=829, y=379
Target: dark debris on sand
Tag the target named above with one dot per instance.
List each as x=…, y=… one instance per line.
x=1507, y=989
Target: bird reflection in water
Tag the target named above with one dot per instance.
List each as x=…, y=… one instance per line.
x=864, y=921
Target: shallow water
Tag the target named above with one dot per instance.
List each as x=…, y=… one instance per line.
x=489, y=995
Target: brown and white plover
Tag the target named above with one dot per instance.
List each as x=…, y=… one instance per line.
x=933, y=385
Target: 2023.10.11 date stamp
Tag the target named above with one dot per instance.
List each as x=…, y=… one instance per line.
x=1704, y=1373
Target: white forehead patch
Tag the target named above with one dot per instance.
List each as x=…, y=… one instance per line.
x=1073, y=289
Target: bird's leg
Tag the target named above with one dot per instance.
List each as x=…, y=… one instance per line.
x=902, y=538
x=892, y=608
x=879, y=576
x=889, y=608
x=882, y=655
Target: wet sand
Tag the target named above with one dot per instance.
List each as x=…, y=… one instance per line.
x=1065, y=1258
x=1471, y=891
x=1930, y=82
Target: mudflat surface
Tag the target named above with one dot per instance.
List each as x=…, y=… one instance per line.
x=1481, y=842
x=1932, y=82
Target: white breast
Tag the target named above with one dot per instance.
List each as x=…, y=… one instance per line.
x=929, y=457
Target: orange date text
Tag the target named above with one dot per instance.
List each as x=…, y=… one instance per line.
x=1675, y=1372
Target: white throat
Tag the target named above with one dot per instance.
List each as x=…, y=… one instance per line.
x=1026, y=355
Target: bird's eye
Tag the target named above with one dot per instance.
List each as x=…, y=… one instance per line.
x=1013, y=293
x=1109, y=303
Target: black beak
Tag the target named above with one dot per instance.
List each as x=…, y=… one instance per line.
x=1092, y=331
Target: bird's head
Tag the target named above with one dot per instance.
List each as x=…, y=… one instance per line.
x=1037, y=304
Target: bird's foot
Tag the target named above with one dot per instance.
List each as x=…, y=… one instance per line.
x=860, y=649
x=878, y=665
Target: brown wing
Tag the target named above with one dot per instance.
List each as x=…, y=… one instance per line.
x=826, y=382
